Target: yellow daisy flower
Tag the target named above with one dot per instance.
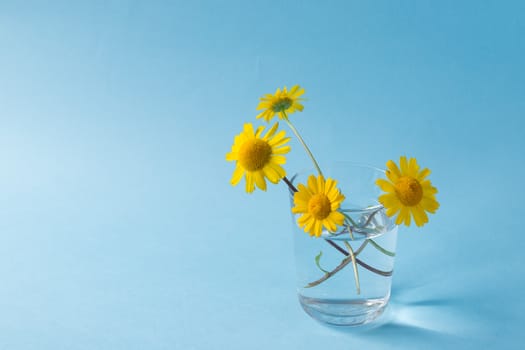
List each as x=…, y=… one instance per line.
x=318, y=203
x=258, y=157
x=283, y=101
x=408, y=192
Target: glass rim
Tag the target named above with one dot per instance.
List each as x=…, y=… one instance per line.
x=369, y=209
x=354, y=164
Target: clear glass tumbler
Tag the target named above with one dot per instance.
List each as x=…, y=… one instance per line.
x=344, y=278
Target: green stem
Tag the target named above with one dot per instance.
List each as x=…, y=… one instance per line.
x=302, y=142
x=356, y=273
x=343, y=263
x=349, y=218
x=374, y=270
x=360, y=262
x=376, y=245
x=360, y=249
x=370, y=217
x=381, y=249
x=289, y=184
x=349, y=228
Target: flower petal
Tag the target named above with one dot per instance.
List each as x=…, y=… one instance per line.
x=302, y=197
x=259, y=180
x=320, y=184
x=389, y=200
x=318, y=228
x=403, y=216
x=423, y=174
x=279, y=169
x=309, y=227
x=429, y=204
x=249, y=182
x=271, y=174
x=237, y=175
x=385, y=185
x=231, y=156
x=413, y=168
x=329, y=225
x=403, y=165
x=271, y=132
x=248, y=130
x=259, y=131
x=329, y=185
x=277, y=159
x=282, y=150
x=304, y=219
x=392, y=172
x=337, y=217
x=420, y=217
x=392, y=211
x=312, y=184
x=298, y=107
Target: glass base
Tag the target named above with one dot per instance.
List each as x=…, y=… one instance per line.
x=350, y=312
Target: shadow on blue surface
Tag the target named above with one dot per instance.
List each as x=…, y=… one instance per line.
x=418, y=322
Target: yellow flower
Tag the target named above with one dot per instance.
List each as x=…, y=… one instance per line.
x=258, y=157
x=408, y=192
x=281, y=102
x=318, y=203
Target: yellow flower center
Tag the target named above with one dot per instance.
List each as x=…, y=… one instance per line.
x=282, y=104
x=319, y=206
x=409, y=190
x=254, y=154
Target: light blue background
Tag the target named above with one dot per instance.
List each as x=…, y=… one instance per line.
x=119, y=229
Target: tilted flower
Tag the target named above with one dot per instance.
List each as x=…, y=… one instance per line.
x=281, y=103
x=318, y=203
x=408, y=192
x=258, y=157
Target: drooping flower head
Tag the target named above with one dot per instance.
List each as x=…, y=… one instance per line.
x=408, y=192
x=258, y=157
x=318, y=203
x=281, y=103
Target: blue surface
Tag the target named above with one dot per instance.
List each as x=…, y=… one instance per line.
x=119, y=229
